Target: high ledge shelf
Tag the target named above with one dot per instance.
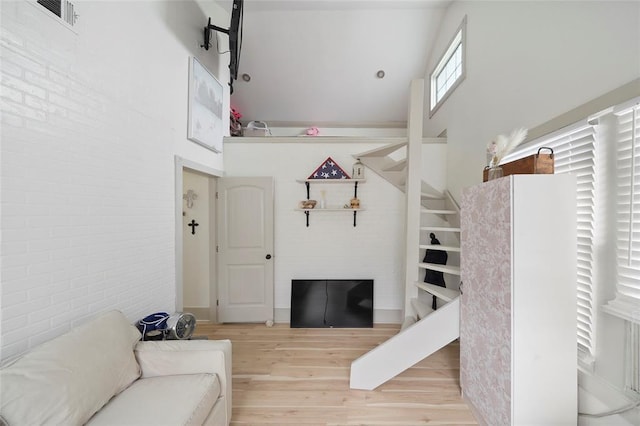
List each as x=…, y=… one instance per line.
x=307, y=183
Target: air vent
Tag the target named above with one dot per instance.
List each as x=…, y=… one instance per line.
x=62, y=9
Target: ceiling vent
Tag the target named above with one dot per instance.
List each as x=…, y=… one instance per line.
x=62, y=9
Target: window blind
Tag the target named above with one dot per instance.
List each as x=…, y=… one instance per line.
x=627, y=301
x=574, y=152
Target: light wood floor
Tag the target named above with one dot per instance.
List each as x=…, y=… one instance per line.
x=288, y=376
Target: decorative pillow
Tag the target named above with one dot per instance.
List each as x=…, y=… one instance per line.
x=68, y=379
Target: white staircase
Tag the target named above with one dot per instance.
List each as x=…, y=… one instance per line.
x=433, y=332
x=443, y=223
x=424, y=331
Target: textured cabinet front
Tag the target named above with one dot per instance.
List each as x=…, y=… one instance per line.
x=517, y=312
x=485, y=315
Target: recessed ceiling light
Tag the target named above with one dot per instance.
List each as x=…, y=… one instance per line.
x=246, y=77
x=380, y=74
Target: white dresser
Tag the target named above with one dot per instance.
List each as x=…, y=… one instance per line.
x=518, y=304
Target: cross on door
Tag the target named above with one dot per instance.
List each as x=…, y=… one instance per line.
x=193, y=225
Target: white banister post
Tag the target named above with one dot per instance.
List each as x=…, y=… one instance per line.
x=413, y=190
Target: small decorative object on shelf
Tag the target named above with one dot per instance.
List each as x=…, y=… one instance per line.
x=323, y=199
x=355, y=203
x=534, y=164
x=257, y=128
x=358, y=170
x=307, y=204
x=499, y=147
x=235, y=126
x=312, y=131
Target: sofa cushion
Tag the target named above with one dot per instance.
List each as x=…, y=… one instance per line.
x=164, y=400
x=68, y=379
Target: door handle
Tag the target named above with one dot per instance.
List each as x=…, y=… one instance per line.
x=268, y=256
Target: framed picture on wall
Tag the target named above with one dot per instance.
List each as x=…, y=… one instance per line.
x=205, y=107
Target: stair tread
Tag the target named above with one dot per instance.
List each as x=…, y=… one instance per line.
x=431, y=196
x=448, y=269
x=439, y=228
x=446, y=294
x=439, y=247
x=422, y=308
x=438, y=211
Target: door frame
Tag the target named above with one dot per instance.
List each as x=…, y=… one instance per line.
x=180, y=164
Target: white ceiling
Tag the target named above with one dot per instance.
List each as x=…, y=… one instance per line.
x=315, y=62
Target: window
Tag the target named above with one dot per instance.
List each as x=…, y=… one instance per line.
x=626, y=304
x=574, y=152
x=608, y=196
x=450, y=71
x=62, y=9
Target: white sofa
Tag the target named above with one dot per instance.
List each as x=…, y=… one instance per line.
x=102, y=374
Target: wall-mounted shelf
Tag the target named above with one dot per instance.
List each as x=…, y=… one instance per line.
x=354, y=182
x=323, y=181
x=330, y=209
x=311, y=140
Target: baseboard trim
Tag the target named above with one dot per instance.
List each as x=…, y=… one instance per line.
x=282, y=315
x=387, y=316
x=380, y=316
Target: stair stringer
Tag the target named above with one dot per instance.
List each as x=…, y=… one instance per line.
x=406, y=348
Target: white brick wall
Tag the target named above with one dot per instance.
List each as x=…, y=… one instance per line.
x=89, y=132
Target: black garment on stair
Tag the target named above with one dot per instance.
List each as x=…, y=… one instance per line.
x=435, y=256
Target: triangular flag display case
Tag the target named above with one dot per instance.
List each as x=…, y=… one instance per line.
x=329, y=169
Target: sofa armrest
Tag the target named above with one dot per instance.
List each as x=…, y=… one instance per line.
x=170, y=357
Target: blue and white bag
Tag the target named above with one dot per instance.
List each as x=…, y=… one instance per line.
x=157, y=321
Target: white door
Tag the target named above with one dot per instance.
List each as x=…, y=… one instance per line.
x=245, y=249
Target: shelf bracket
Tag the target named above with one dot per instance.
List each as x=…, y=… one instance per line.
x=354, y=217
x=307, y=185
x=355, y=191
x=306, y=213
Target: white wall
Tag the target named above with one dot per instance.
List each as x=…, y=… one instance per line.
x=91, y=121
x=331, y=247
x=529, y=62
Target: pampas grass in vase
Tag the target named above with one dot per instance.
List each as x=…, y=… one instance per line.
x=500, y=147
